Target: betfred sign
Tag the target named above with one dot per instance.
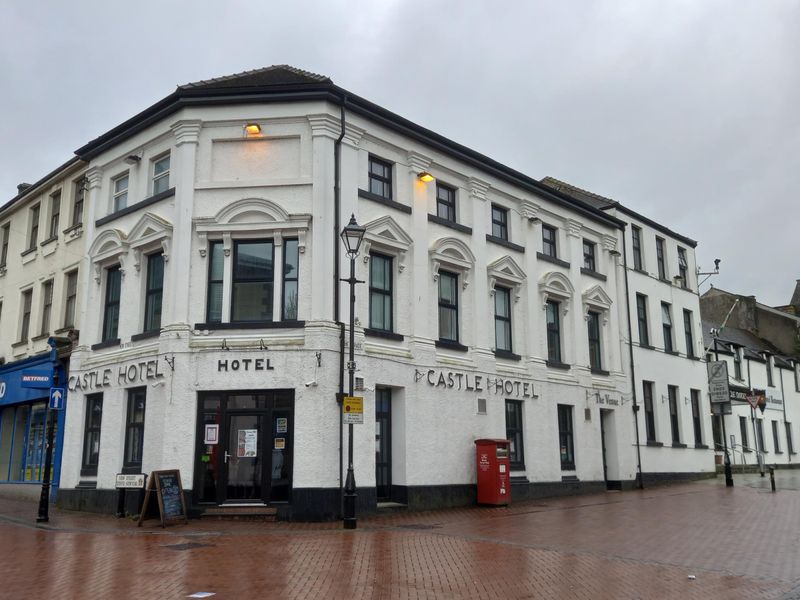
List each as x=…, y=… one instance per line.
x=37, y=378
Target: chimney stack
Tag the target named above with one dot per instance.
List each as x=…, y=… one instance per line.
x=22, y=187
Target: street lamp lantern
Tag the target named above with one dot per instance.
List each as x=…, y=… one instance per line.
x=352, y=235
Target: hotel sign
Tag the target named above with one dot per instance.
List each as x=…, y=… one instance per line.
x=471, y=382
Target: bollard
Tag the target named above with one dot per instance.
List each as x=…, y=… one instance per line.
x=772, y=477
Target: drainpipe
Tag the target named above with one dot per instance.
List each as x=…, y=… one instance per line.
x=337, y=159
x=783, y=397
x=635, y=407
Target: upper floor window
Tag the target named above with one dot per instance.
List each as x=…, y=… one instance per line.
x=253, y=281
x=71, y=294
x=77, y=205
x=687, y=330
x=380, y=177
x=291, y=268
x=683, y=268
x=215, y=277
x=161, y=174
x=666, y=324
x=737, y=363
x=25, y=322
x=55, y=215
x=380, y=292
x=641, y=317
x=111, y=304
x=589, y=261
x=154, y=292
x=770, y=381
x=448, y=307
x=33, y=230
x=553, y=331
x=502, y=319
x=5, y=232
x=595, y=352
x=120, y=195
x=445, y=202
x=549, y=241
x=662, y=265
x=47, y=306
x=636, y=234
x=500, y=222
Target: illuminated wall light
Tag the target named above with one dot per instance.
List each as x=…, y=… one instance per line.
x=252, y=129
x=425, y=177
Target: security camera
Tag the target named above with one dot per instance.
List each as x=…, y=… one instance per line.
x=716, y=263
x=311, y=384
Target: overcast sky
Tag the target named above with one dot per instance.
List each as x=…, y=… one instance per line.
x=686, y=111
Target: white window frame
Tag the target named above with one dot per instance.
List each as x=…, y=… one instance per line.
x=158, y=177
x=116, y=194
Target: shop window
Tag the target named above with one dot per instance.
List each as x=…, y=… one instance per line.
x=500, y=222
x=253, y=281
x=161, y=174
x=553, y=331
x=649, y=411
x=47, y=306
x=549, y=241
x=134, y=430
x=641, y=317
x=154, y=293
x=291, y=265
x=215, y=275
x=666, y=326
x=448, y=307
x=674, y=416
x=636, y=234
x=565, y=438
x=660, y=259
x=697, y=423
x=111, y=304
x=71, y=293
x=595, y=347
x=514, y=429
x=380, y=178
x=91, y=434
x=502, y=319
x=743, y=432
x=380, y=292
x=446, y=202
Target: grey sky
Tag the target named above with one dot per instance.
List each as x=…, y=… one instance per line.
x=686, y=111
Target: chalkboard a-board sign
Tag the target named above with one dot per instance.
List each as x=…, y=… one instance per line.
x=166, y=485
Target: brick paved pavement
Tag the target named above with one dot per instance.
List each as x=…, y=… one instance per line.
x=739, y=543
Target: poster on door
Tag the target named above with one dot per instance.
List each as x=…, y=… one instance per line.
x=247, y=443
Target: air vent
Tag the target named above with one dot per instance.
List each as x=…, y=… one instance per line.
x=358, y=384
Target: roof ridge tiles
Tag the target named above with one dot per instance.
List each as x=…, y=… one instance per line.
x=314, y=77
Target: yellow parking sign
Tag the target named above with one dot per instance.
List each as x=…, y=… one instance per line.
x=353, y=409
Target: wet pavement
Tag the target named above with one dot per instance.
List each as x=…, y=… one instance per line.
x=699, y=540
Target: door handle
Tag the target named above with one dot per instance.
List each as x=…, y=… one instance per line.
x=227, y=456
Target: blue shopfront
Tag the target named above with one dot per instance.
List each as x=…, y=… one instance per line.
x=24, y=413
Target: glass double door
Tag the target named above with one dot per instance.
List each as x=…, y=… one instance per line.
x=246, y=451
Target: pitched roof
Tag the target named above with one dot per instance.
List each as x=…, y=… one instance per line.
x=595, y=200
x=274, y=75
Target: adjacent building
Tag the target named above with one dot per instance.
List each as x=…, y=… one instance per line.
x=213, y=329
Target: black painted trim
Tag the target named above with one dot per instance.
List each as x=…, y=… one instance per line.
x=594, y=274
x=28, y=251
x=599, y=372
x=251, y=325
x=106, y=344
x=385, y=201
x=19, y=343
x=145, y=334
x=646, y=346
x=655, y=444
x=49, y=240
x=89, y=472
x=703, y=447
x=550, y=259
x=505, y=243
x=72, y=228
x=558, y=365
x=451, y=345
x=678, y=445
x=672, y=352
x=507, y=355
x=134, y=207
x=40, y=337
x=452, y=225
x=387, y=335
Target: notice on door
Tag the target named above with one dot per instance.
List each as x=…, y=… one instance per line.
x=247, y=444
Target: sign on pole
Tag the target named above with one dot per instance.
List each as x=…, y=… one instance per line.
x=718, y=382
x=57, y=395
x=353, y=410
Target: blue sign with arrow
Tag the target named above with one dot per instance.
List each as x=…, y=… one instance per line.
x=57, y=397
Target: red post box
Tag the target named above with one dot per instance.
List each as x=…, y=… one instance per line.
x=494, y=470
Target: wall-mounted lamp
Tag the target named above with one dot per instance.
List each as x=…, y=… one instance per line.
x=252, y=129
x=425, y=177
x=133, y=159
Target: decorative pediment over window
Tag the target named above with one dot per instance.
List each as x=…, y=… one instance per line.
x=505, y=271
x=111, y=246
x=386, y=235
x=150, y=231
x=556, y=286
x=596, y=298
x=453, y=254
x=253, y=217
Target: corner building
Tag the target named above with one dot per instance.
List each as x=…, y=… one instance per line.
x=213, y=339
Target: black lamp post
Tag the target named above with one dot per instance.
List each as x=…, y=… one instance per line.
x=352, y=235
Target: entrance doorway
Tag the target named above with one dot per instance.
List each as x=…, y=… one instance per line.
x=383, y=444
x=244, y=450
